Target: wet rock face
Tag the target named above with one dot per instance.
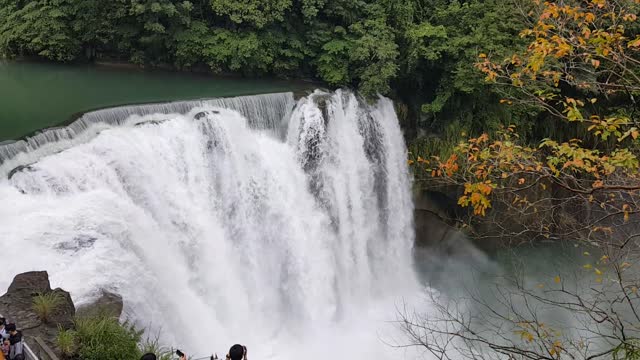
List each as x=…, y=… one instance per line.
x=109, y=304
x=203, y=114
x=29, y=283
x=17, y=306
x=19, y=169
x=150, y=122
x=76, y=244
x=433, y=218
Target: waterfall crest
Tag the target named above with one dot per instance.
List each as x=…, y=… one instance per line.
x=216, y=232
x=262, y=111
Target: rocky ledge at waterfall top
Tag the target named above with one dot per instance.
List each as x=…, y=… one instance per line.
x=17, y=306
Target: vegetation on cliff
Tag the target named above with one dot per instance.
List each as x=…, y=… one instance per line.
x=100, y=338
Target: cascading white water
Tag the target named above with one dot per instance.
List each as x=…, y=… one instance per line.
x=217, y=232
x=261, y=111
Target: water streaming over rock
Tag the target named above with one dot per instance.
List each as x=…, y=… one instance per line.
x=262, y=112
x=293, y=237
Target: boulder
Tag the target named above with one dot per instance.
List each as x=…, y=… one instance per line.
x=33, y=282
x=108, y=303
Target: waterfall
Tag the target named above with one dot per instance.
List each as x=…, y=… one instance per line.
x=295, y=241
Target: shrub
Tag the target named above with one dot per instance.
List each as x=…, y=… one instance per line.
x=104, y=338
x=66, y=342
x=45, y=304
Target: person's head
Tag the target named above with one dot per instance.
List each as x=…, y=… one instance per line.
x=2, y=321
x=11, y=329
x=7, y=342
x=148, y=356
x=237, y=352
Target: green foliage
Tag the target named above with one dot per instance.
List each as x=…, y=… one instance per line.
x=40, y=27
x=441, y=49
x=374, y=53
x=104, y=338
x=66, y=342
x=152, y=345
x=254, y=12
x=45, y=304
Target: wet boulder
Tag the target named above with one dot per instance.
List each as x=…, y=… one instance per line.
x=107, y=304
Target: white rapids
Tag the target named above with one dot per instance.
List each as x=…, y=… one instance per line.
x=293, y=238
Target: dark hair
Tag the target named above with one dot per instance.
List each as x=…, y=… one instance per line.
x=236, y=352
x=10, y=327
x=148, y=356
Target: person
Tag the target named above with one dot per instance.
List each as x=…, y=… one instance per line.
x=15, y=342
x=152, y=356
x=237, y=352
x=3, y=332
x=6, y=347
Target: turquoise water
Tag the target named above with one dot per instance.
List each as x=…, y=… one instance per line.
x=38, y=95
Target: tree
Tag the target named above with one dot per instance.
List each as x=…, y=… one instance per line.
x=581, y=66
x=38, y=27
x=258, y=13
x=441, y=45
x=161, y=21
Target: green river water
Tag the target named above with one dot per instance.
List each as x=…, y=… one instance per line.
x=39, y=95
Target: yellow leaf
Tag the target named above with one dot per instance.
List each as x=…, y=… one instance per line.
x=521, y=181
x=587, y=266
x=586, y=253
x=599, y=280
x=598, y=272
x=529, y=337
x=634, y=43
x=540, y=286
x=557, y=279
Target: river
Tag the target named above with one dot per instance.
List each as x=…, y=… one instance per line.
x=38, y=95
